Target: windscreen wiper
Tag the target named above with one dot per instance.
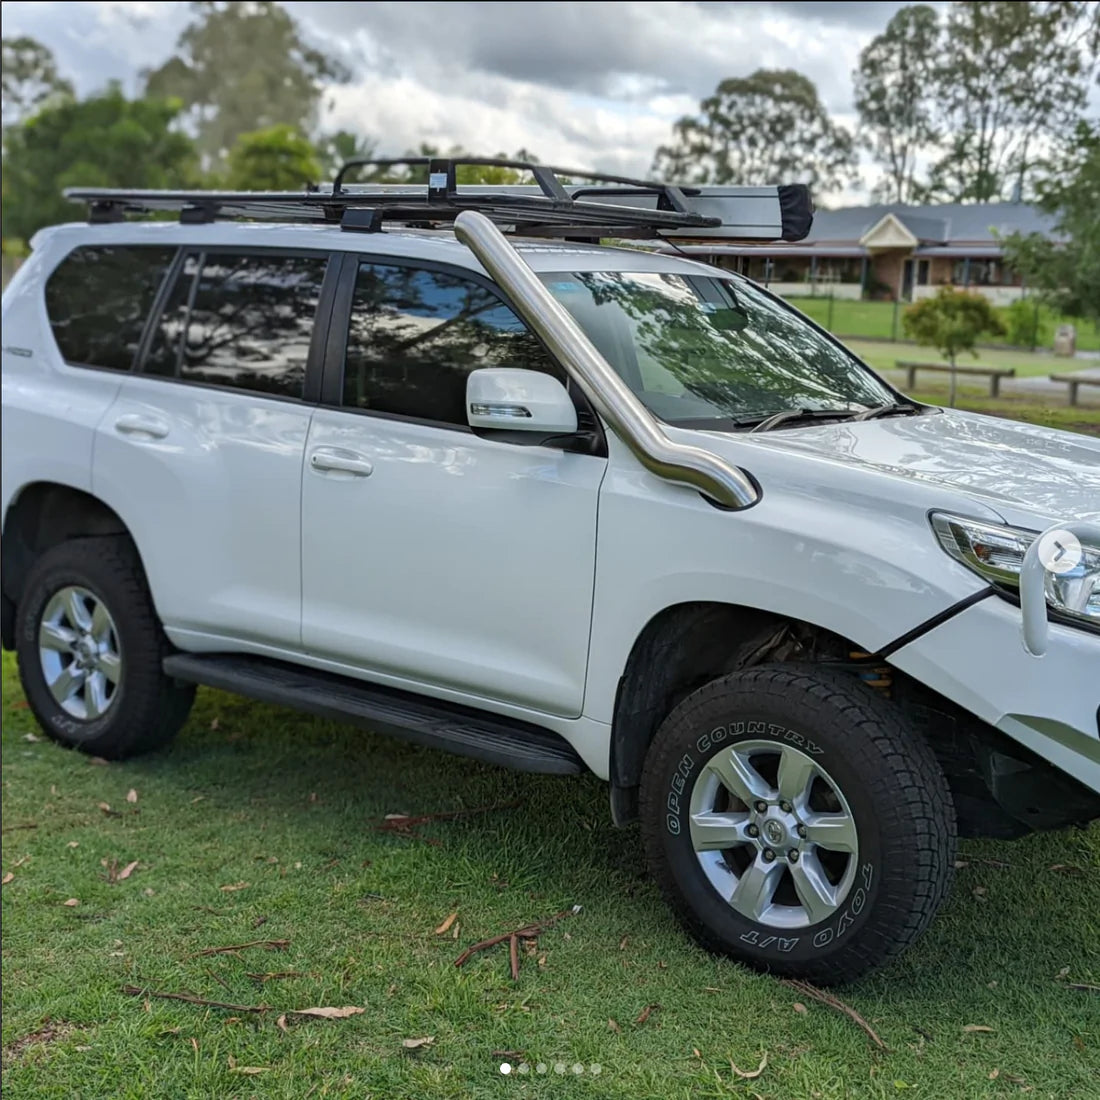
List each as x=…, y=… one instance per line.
x=895, y=408
x=785, y=416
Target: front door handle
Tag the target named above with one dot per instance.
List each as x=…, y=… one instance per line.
x=337, y=460
x=138, y=425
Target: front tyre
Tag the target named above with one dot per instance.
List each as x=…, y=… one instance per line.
x=795, y=822
x=90, y=647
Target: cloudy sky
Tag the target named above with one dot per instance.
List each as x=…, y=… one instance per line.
x=584, y=84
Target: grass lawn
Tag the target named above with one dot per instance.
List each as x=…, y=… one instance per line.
x=876, y=319
x=260, y=824
x=1018, y=407
x=883, y=356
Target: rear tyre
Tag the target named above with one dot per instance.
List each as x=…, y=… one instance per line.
x=794, y=822
x=90, y=647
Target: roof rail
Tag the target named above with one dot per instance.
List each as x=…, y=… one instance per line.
x=561, y=203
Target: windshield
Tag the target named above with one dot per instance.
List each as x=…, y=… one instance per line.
x=704, y=352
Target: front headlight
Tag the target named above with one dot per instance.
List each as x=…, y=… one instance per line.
x=996, y=553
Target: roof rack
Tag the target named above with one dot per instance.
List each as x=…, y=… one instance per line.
x=561, y=203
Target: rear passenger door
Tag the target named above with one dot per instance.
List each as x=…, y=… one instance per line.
x=433, y=556
x=201, y=452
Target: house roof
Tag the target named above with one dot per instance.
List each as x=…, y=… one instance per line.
x=931, y=224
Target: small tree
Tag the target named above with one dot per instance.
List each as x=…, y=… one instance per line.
x=275, y=159
x=951, y=322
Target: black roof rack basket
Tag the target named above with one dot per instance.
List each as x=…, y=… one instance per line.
x=560, y=203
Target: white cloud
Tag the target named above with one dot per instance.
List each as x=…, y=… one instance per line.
x=586, y=84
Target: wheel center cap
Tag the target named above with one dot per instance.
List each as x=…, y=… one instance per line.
x=774, y=833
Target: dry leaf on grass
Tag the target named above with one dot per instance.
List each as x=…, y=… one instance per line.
x=798, y=1006
x=8, y=877
x=280, y=1023
x=131, y=795
x=114, y=874
x=72, y=902
x=231, y=886
x=250, y=1071
x=332, y=1013
x=646, y=1013
x=977, y=1027
x=417, y=1044
x=446, y=925
x=105, y=807
x=30, y=738
x=749, y=1075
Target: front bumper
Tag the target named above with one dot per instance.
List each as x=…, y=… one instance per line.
x=1050, y=704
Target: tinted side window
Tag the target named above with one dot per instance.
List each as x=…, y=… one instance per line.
x=240, y=321
x=98, y=298
x=414, y=335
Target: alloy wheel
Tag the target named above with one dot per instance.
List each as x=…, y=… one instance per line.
x=79, y=652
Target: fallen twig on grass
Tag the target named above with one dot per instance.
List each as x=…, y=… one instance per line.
x=405, y=824
x=834, y=1002
x=23, y=825
x=138, y=991
x=527, y=932
x=1083, y=987
x=267, y=945
x=325, y=1013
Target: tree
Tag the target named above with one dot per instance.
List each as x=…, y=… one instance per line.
x=30, y=78
x=106, y=140
x=951, y=322
x=337, y=149
x=1066, y=271
x=769, y=127
x=893, y=97
x=275, y=159
x=241, y=67
x=1013, y=80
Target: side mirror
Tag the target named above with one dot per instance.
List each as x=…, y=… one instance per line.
x=518, y=400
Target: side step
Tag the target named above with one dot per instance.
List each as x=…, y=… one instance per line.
x=423, y=721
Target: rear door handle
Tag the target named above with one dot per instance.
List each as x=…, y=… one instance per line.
x=337, y=460
x=137, y=425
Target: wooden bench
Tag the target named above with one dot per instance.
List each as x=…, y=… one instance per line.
x=994, y=374
x=1075, y=382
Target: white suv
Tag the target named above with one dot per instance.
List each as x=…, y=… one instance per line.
x=556, y=506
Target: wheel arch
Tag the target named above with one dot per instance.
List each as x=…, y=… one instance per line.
x=43, y=514
x=684, y=646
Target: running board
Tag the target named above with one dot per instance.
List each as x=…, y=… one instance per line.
x=423, y=721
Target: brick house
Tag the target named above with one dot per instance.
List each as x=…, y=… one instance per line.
x=891, y=251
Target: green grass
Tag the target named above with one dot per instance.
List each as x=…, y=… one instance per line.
x=1085, y=420
x=883, y=356
x=876, y=319
x=290, y=805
